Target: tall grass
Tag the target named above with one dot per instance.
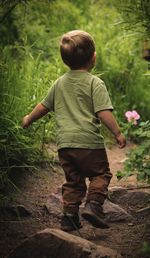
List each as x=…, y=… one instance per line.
x=24, y=82
x=29, y=65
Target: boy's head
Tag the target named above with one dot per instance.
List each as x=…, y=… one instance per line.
x=77, y=49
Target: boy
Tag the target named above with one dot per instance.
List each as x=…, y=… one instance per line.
x=80, y=101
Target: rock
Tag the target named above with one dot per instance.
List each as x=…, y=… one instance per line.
x=55, y=198
x=54, y=211
x=114, y=213
x=116, y=192
x=53, y=205
x=54, y=243
x=136, y=199
x=15, y=210
x=130, y=198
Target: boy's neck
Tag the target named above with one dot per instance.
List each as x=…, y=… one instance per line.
x=84, y=69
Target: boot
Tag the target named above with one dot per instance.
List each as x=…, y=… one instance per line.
x=70, y=222
x=93, y=213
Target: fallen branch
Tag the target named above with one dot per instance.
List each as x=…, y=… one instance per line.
x=138, y=187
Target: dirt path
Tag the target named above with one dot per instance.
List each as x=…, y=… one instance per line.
x=34, y=191
x=117, y=158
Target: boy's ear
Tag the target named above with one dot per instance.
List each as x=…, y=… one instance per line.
x=94, y=57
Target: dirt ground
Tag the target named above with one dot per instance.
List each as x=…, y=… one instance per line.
x=34, y=189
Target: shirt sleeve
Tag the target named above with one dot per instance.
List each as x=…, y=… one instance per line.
x=101, y=99
x=48, y=101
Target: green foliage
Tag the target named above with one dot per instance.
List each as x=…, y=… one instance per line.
x=138, y=161
x=29, y=65
x=136, y=14
x=137, y=133
x=119, y=60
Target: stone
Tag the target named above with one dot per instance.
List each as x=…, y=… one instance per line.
x=114, y=213
x=136, y=199
x=53, y=206
x=55, y=243
x=55, y=198
x=116, y=192
x=129, y=198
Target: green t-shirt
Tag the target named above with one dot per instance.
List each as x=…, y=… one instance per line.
x=75, y=98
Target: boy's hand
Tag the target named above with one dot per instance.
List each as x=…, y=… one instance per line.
x=25, y=122
x=121, y=140
x=109, y=120
x=38, y=112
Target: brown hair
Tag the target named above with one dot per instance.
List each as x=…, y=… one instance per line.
x=77, y=48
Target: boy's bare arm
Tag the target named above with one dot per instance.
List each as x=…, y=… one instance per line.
x=107, y=118
x=38, y=112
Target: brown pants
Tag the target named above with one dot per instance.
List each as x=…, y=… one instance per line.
x=79, y=164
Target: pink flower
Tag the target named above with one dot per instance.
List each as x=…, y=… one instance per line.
x=135, y=115
x=132, y=116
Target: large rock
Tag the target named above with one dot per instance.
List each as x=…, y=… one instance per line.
x=114, y=213
x=129, y=198
x=116, y=192
x=54, y=243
